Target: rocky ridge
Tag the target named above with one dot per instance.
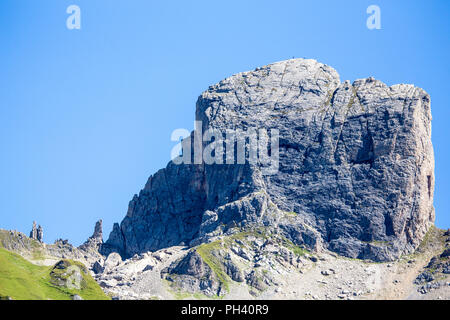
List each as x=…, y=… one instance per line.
x=250, y=266
x=37, y=233
x=41, y=253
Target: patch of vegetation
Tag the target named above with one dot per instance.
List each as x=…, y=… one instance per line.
x=2, y=237
x=297, y=250
x=364, y=261
x=379, y=243
x=291, y=213
x=68, y=273
x=207, y=253
x=38, y=255
x=17, y=242
x=263, y=234
x=427, y=239
x=256, y=232
x=434, y=236
x=22, y=280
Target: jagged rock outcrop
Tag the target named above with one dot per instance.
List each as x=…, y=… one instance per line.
x=40, y=234
x=37, y=233
x=192, y=274
x=33, y=232
x=92, y=245
x=68, y=274
x=356, y=168
x=98, y=231
x=38, y=251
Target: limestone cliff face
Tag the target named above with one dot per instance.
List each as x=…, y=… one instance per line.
x=356, y=170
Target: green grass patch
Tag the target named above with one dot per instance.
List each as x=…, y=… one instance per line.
x=22, y=280
x=427, y=238
x=297, y=250
x=379, y=243
x=38, y=255
x=206, y=252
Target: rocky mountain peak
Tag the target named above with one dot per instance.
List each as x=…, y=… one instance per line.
x=37, y=233
x=355, y=174
x=98, y=231
x=94, y=242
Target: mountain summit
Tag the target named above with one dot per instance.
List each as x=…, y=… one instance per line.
x=355, y=173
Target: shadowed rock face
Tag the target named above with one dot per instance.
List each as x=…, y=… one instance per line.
x=37, y=233
x=356, y=168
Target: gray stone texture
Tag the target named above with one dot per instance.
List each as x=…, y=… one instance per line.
x=356, y=168
x=37, y=233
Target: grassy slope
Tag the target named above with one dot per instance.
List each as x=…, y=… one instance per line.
x=23, y=280
x=17, y=242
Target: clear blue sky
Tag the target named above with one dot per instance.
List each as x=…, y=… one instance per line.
x=86, y=115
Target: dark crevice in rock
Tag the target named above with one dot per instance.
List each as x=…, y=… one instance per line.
x=389, y=225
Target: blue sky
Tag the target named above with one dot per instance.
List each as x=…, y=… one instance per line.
x=86, y=115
